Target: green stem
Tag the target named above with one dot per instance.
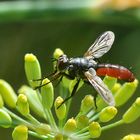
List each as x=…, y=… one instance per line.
x=37, y=135
x=120, y=122
x=52, y=119
x=84, y=135
x=93, y=118
x=60, y=124
x=18, y=118
x=81, y=131
x=32, y=119
x=90, y=113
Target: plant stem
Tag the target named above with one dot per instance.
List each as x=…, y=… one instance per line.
x=52, y=119
x=18, y=118
x=112, y=125
x=37, y=135
x=32, y=119
x=81, y=131
x=93, y=118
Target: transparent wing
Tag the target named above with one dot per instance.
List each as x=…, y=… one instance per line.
x=101, y=45
x=100, y=87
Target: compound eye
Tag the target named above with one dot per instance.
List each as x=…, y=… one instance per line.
x=62, y=62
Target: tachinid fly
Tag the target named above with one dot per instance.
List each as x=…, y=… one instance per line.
x=86, y=68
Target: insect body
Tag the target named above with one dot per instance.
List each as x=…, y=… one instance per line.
x=87, y=69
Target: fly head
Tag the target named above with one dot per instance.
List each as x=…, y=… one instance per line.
x=63, y=62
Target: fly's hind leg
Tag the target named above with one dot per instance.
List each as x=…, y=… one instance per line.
x=72, y=94
x=95, y=97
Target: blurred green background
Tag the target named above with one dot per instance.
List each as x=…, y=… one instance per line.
x=39, y=27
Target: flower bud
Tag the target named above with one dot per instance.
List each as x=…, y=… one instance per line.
x=47, y=94
x=110, y=81
x=70, y=125
x=20, y=133
x=133, y=112
x=33, y=100
x=1, y=101
x=43, y=129
x=116, y=87
x=8, y=94
x=100, y=104
x=87, y=103
x=107, y=114
x=58, y=137
x=22, y=105
x=32, y=69
x=131, y=137
x=125, y=92
x=58, y=52
x=66, y=82
x=5, y=119
x=82, y=121
x=94, y=130
x=61, y=111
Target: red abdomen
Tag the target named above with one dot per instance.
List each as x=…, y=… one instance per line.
x=116, y=71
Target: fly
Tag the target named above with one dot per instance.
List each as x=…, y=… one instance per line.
x=86, y=68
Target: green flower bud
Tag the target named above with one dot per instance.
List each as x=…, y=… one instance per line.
x=132, y=137
x=47, y=94
x=94, y=130
x=1, y=101
x=32, y=69
x=66, y=82
x=58, y=137
x=33, y=100
x=22, y=105
x=125, y=92
x=110, y=81
x=133, y=112
x=20, y=133
x=87, y=103
x=100, y=104
x=128, y=137
x=58, y=52
x=82, y=121
x=43, y=129
x=107, y=114
x=5, y=119
x=70, y=125
x=116, y=87
x=8, y=94
x=61, y=111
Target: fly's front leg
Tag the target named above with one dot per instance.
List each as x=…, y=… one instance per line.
x=54, y=77
x=72, y=94
x=50, y=75
x=70, y=77
x=66, y=75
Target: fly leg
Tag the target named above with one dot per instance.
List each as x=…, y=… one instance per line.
x=58, y=82
x=45, y=76
x=95, y=97
x=55, y=76
x=66, y=75
x=72, y=94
